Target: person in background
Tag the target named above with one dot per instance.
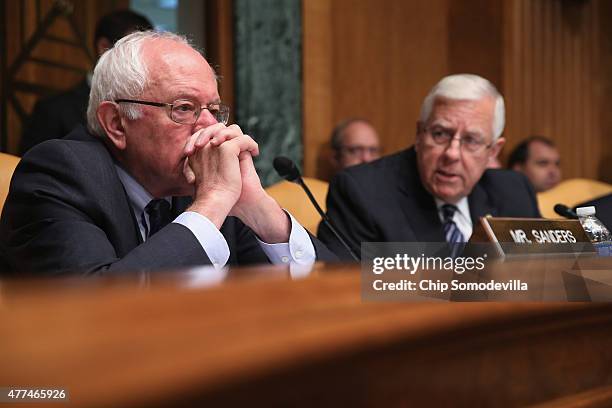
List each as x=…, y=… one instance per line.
x=354, y=141
x=537, y=158
x=436, y=190
x=55, y=116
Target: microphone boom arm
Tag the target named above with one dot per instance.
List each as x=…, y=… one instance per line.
x=314, y=202
x=287, y=169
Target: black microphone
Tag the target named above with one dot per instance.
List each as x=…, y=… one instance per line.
x=286, y=168
x=566, y=212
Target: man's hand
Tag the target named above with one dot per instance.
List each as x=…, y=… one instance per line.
x=253, y=205
x=213, y=167
x=257, y=209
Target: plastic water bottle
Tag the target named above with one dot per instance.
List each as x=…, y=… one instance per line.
x=595, y=230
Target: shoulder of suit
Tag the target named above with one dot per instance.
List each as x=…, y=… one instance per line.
x=502, y=174
x=379, y=176
x=597, y=202
x=381, y=167
x=80, y=169
x=503, y=179
x=78, y=144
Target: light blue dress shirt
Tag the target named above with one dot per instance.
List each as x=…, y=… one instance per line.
x=462, y=217
x=299, y=249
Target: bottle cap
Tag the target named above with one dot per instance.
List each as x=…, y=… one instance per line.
x=585, y=211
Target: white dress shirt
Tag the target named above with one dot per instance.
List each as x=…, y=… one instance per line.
x=299, y=249
x=462, y=217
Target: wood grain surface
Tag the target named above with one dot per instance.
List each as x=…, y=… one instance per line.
x=263, y=338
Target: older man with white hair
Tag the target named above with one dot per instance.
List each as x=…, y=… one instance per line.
x=436, y=190
x=159, y=181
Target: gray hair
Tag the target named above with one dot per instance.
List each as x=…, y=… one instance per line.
x=121, y=73
x=467, y=87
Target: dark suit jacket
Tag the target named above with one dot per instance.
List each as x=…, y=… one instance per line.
x=67, y=211
x=385, y=201
x=603, y=206
x=55, y=116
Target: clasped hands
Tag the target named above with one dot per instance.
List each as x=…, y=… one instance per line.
x=219, y=165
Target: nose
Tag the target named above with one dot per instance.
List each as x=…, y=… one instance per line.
x=453, y=150
x=554, y=173
x=205, y=120
x=368, y=155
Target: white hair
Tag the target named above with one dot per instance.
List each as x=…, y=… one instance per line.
x=467, y=87
x=121, y=73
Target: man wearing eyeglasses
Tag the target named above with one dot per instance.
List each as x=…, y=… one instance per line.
x=354, y=141
x=159, y=181
x=436, y=190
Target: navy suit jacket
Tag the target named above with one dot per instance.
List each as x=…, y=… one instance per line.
x=67, y=211
x=385, y=201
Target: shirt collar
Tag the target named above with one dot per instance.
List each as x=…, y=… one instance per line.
x=139, y=197
x=462, y=206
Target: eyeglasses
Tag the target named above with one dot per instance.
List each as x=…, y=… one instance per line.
x=186, y=112
x=469, y=143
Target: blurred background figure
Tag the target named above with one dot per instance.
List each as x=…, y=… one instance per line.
x=354, y=141
x=538, y=158
x=55, y=116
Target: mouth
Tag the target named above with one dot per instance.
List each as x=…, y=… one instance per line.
x=446, y=177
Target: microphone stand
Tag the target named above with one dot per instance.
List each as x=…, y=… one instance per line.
x=287, y=169
x=325, y=219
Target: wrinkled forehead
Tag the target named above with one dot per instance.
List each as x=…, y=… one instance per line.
x=169, y=62
x=473, y=115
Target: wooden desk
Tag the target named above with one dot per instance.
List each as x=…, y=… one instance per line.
x=265, y=339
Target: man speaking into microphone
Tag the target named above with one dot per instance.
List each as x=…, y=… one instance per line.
x=436, y=190
x=158, y=180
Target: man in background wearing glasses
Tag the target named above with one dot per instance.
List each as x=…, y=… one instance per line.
x=354, y=141
x=159, y=181
x=436, y=190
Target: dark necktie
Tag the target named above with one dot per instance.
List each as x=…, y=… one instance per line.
x=159, y=215
x=451, y=232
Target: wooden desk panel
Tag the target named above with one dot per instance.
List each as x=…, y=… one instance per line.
x=273, y=340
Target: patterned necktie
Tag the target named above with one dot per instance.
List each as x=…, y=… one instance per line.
x=159, y=215
x=451, y=232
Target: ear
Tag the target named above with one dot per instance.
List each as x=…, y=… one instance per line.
x=497, y=146
x=102, y=45
x=110, y=120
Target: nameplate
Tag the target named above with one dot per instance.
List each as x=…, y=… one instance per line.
x=526, y=236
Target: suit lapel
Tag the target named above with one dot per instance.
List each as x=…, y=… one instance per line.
x=421, y=214
x=123, y=231
x=135, y=230
x=418, y=206
x=480, y=204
